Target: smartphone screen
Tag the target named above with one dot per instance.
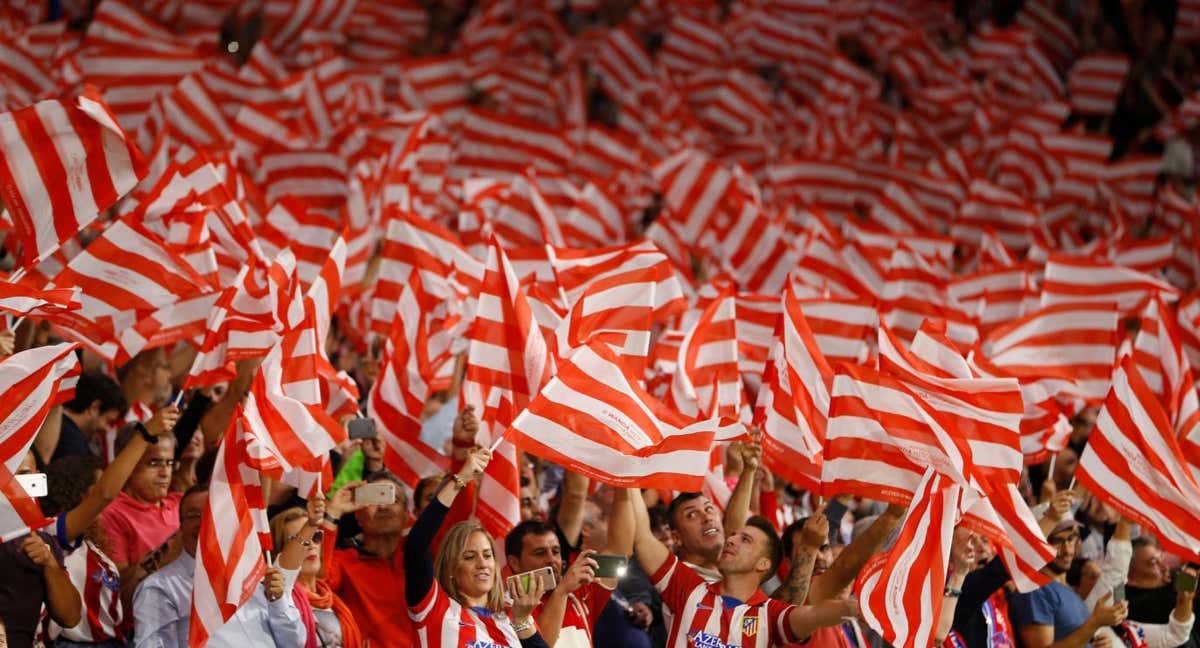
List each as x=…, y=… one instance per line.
x=1185, y=582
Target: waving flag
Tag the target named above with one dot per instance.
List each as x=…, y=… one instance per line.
x=707, y=382
x=793, y=403
x=1133, y=463
x=61, y=165
x=1095, y=82
x=591, y=419
x=21, y=299
x=233, y=536
x=31, y=382
x=900, y=591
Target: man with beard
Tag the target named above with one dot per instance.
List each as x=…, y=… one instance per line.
x=369, y=577
x=1054, y=615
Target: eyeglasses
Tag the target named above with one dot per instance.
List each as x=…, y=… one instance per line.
x=316, y=539
x=158, y=464
x=1064, y=539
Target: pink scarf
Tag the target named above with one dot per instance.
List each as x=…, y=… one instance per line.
x=300, y=598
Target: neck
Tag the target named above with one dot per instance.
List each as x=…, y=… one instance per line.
x=1054, y=574
x=740, y=586
x=475, y=601
x=143, y=501
x=309, y=581
x=1142, y=582
x=384, y=544
x=706, y=562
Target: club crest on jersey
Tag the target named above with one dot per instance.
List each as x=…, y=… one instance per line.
x=750, y=626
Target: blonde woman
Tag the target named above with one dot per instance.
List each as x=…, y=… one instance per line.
x=464, y=604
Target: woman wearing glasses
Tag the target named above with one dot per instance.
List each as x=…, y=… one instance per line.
x=330, y=622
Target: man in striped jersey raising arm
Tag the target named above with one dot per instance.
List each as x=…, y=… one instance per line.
x=732, y=612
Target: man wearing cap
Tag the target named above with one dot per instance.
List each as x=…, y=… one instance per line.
x=1054, y=615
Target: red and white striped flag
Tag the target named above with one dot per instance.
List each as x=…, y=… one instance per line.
x=593, y=420
x=793, y=403
x=124, y=275
x=1084, y=280
x=1133, y=463
x=398, y=397
x=61, y=165
x=1095, y=82
x=20, y=299
x=900, y=591
x=31, y=382
x=707, y=382
x=507, y=365
x=233, y=535
x=248, y=319
x=284, y=416
x=1069, y=346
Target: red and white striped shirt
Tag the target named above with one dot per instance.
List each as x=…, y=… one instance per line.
x=703, y=618
x=442, y=622
x=584, y=606
x=99, y=584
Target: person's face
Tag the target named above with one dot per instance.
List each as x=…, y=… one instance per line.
x=384, y=519
x=191, y=511
x=311, y=564
x=1064, y=467
x=663, y=533
x=531, y=508
x=1067, y=544
x=97, y=423
x=984, y=551
x=538, y=551
x=151, y=479
x=474, y=573
x=744, y=552
x=594, y=532
x=1087, y=578
x=28, y=464
x=1148, y=566
x=698, y=528
x=150, y=376
x=195, y=447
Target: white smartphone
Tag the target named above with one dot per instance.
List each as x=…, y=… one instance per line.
x=380, y=493
x=34, y=484
x=546, y=574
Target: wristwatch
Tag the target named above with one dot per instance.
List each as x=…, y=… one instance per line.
x=523, y=626
x=952, y=593
x=150, y=438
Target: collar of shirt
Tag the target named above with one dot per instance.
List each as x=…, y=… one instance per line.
x=757, y=598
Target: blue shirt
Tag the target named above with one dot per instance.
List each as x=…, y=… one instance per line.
x=162, y=608
x=1053, y=605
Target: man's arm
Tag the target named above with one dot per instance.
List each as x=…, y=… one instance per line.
x=850, y=562
x=217, y=418
x=570, y=507
x=62, y=599
x=804, y=555
x=651, y=553
x=46, y=441
x=155, y=619
x=737, y=510
x=803, y=620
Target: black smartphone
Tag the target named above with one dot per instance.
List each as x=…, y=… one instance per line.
x=610, y=566
x=361, y=428
x=1185, y=582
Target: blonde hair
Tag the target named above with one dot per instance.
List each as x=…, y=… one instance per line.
x=449, y=557
x=280, y=522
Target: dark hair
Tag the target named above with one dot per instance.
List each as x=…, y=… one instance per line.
x=70, y=478
x=515, y=540
x=1144, y=541
x=1075, y=571
x=658, y=516
x=774, y=545
x=94, y=386
x=201, y=487
x=205, y=466
x=676, y=504
x=787, y=539
x=426, y=484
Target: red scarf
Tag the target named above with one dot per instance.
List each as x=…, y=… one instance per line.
x=300, y=598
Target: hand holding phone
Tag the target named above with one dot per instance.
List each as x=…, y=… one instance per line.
x=1185, y=581
x=611, y=566
x=522, y=580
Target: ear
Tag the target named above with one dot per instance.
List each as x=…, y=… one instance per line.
x=93, y=410
x=763, y=565
x=675, y=540
x=513, y=566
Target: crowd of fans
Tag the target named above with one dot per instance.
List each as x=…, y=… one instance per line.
x=128, y=462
